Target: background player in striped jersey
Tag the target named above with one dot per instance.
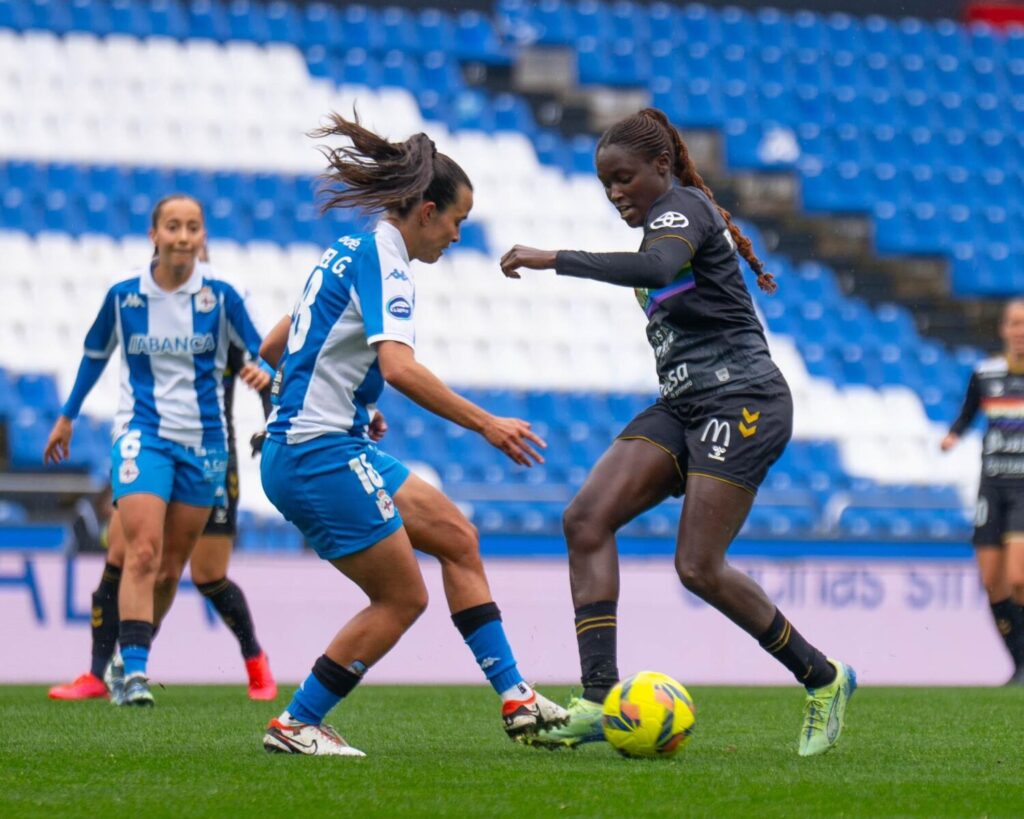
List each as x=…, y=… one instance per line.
x=208, y=567
x=174, y=325
x=996, y=388
x=724, y=417
x=359, y=508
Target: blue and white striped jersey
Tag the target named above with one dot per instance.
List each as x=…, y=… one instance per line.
x=174, y=346
x=361, y=292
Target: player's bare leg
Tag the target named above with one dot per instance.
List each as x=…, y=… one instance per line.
x=437, y=527
x=631, y=477
x=142, y=519
x=182, y=528
x=713, y=513
x=389, y=575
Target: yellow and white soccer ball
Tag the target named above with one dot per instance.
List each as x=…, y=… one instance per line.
x=649, y=715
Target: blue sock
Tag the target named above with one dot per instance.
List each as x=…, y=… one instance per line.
x=312, y=701
x=135, y=659
x=494, y=656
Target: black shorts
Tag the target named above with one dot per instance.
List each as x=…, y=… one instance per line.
x=224, y=516
x=999, y=515
x=732, y=436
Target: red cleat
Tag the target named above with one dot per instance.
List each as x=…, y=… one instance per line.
x=261, y=681
x=85, y=687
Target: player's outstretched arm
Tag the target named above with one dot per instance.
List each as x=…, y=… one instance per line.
x=58, y=445
x=402, y=371
x=528, y=257
x=655, y=267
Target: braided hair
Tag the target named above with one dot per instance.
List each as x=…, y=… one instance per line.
x=376, y=175
x=649, y=134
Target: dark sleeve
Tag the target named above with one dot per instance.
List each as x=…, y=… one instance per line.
x=653, y=268
x=972, y=401
x=678, y=224
x=268, y=405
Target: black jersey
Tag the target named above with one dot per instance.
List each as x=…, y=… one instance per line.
x=999, y=394
x=701, y=321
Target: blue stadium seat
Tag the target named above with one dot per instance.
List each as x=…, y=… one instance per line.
x=321, y=26
x=476, y=39
x=248, y=21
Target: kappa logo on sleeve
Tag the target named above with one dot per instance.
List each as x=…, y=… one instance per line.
x=400, y=308
x=670, y=219
x=397, y=274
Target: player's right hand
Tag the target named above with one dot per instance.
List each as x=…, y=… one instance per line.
x=58, y=445
x=949, y=442
x=513, y=437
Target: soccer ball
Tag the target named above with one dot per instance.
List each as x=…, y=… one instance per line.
x=648, y=715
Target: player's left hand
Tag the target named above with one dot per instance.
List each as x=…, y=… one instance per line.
x=254, y=376
x=378, y=426
x=529, y=257
x=513, y=437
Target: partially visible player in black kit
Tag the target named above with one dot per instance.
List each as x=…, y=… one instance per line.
x=996, y=388
x=208, y=567
x=724, y=417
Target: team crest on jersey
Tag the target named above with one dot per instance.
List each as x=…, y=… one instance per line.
x=129, y=471
x=204, y=300
x=400, y=308
x=670, y=219
x=385, y=505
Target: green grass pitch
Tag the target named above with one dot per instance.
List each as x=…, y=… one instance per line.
x=440, y=751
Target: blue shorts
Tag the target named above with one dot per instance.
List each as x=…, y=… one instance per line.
x=336, y=489
x=144, y=463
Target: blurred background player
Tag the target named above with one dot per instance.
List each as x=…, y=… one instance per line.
x=996, y=388
x=724, y=417
x=359, y=508
x=208, y=567
x=174, y=325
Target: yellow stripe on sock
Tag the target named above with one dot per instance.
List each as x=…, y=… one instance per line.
x=602, y=618
x=780, y=644
x=592, y=628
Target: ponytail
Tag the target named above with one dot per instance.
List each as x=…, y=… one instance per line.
x=650, y=134
x=376, y=175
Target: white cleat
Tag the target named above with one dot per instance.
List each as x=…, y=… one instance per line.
x=536, y=713
x=113, y=676
x=300, y=738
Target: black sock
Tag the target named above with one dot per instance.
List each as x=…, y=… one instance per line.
x=787, y=645
x=135, y=633
x=230, y=603
x=1009, y=619
x=336, y=678
x=596, y=624
x=104, y=619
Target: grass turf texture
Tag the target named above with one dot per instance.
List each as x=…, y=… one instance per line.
x=440, y=751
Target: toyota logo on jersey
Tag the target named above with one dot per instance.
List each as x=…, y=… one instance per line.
x=670, y=219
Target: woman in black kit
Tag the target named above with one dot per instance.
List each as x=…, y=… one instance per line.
x=996, y=388
x=724, y=417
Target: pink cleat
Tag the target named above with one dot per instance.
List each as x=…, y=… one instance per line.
x=86, y=687
x=261, y=681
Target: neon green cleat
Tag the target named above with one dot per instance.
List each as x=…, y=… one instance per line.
x=825, y=711
x=584, y=726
